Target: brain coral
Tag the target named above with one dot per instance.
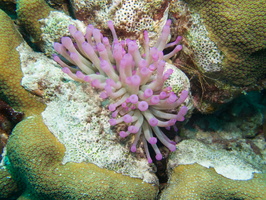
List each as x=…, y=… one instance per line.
x=238, y=29
x=35, y=157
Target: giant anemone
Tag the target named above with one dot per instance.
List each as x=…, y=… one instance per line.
x=135, y=83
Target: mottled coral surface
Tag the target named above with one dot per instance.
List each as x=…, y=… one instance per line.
x=36, y=156
x=10, y=89
x=29, y=13
x=238, y=28
x=197, y=182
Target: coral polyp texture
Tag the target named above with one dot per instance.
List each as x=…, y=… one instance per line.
x=238, y=30
x=29, y=13
x=197, y=182
x=130, y=17
x=35, y=157
x=10, y=89
x=136, y=84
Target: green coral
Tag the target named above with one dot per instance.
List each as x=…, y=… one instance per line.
x=197, y=182
x=29, y=13
x=36, y=156
x=10, y=89
x=238, y=29
x=9, y=187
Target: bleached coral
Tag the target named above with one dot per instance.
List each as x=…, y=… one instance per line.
x=234, y=165
x=75, y=116
x=130, y=17
x=207, y=55
x=53, y=27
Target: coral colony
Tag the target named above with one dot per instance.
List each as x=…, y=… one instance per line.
x=134, y=83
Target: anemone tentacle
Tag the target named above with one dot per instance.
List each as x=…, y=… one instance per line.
x=133, y=82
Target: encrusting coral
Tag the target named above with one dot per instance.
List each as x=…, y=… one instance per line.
x=130, y=17
x=197, y=182
x=136, y=84
x=236, y=164
x=9, y=187
x=29, y=13
x=36, y=155
x=238, y=29
x=10, y=89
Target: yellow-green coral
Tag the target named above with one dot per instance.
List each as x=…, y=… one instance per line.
x=29, y=13
x=197, y=182
x=36, y=156
x=8, y=186
x=10, y=89
x=238, y=28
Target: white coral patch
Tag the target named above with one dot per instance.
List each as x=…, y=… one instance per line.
x=75, y=116
x=233, y=165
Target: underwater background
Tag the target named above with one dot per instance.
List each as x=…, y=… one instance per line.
x=130, y=99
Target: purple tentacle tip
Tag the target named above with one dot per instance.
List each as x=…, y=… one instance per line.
x=135, y=82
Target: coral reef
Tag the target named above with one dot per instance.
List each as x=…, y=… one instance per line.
x=70, y=151
x=197, y=182
x=130, y=17
x=235, y=164
x=10, y=89
x=35, y=157
x=76, y=115
x=238, y=30
x=138, y=86
x=33, y=148
x=29, y=13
